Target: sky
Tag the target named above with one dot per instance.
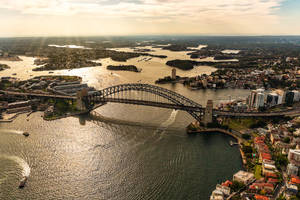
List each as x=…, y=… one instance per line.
x=148, y=17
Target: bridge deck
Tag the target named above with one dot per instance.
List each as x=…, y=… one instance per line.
x=38, y=95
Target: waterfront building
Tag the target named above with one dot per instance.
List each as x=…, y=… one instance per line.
x=243, y=177
x=217, y=195
x=294, y=157
x=292, y=170
x=224, y=189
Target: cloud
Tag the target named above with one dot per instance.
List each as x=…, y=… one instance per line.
x=213, y=15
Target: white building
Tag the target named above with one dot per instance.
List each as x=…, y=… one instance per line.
x=243, y=177
x=296, y=95
x=260, y=100
x=294, y=157
x=217, y=195
x=292, y=170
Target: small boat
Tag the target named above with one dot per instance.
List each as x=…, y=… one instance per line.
x=233, y=143
x=26, y=134
x=23, y=182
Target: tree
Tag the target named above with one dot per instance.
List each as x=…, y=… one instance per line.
x=286, y=140
x=236, y=186
x=246, y=136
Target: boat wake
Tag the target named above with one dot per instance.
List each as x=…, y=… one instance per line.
x=22, y=163
x=165, y=125
x=170, y=120
x=9, y=131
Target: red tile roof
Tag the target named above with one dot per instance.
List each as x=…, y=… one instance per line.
x=227, y=183
x=269, y=174
x=266, y=156
x=260, y=197
x=295, y=180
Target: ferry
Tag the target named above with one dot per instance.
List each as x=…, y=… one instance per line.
x=26, y=134
x=23, y=182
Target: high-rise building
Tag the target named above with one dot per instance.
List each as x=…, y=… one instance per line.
x=256, y=98
x=296, y=95
x=289, y=98
x=252, y=98
x=260, y=100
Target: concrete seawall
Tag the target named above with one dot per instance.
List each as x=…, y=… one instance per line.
x=236, y=135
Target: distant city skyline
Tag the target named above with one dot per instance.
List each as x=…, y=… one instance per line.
x=148, y=17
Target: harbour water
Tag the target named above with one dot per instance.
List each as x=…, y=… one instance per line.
x=87, y=158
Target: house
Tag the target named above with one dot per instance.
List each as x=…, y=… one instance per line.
x=267, y=187
x=270, y=175
x=261, y=197
x=264, y=156
x=243, y=177
x=268, y=168
x=295, y=180
x=227, y=183
x=274, y=137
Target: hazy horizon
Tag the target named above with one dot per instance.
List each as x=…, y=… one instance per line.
x=41, y=18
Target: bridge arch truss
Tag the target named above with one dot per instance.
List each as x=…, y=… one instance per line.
x=144, y=94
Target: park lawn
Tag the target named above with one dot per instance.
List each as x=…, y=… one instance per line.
x=240, y=124
x=257, y=173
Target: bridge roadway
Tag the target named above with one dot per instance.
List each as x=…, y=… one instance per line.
x=38, y=95
x=294, y=112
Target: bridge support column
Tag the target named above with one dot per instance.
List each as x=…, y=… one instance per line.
x=80, y=104
x=208, y=115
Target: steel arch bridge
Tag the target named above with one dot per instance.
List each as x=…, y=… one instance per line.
x=143, y=94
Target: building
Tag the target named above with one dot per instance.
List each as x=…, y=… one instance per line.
x=257, y=98
x=217, y=195
x=296, y=95
x=252, y=98
x=243, y=177
x=292, y=170
x=291, y=189
x=294, y=157
x=224, y=189
x=268, y=168
x=173, y=75
x=289, y=98
x=260, y=100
